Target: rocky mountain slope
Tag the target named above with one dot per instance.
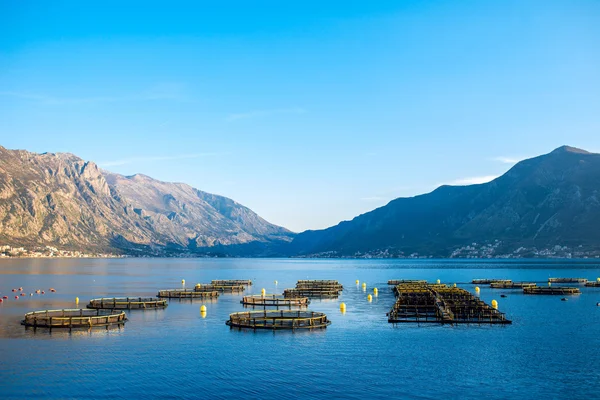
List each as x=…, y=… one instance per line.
x=543, y=202
x=64, y=201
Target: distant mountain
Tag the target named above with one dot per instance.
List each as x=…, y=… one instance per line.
x=64, y=201
x=539, y=204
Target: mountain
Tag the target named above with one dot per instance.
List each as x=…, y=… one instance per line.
x=541, y=205
x=64, y=201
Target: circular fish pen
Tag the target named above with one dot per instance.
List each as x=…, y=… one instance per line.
x=276, y=320
x=231, y=282
x=73, y=318
x=274, y=300
x=126, y=303
x=200, y=287
x=187, y=294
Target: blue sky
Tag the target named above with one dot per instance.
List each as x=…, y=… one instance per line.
x=307, y=112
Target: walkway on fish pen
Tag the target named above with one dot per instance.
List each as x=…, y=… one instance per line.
x=231, y=282
x=278, y=320
x=201, y=287
x=551, y=290
x=127, y=303
x=315, y=288
x=438, y=303
x=73, y=318
x=274, y=300
x=187, y=294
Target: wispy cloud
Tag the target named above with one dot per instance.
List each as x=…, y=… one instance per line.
x=473, y=180
x=134, y=160
x=158, y=92
x=265, y=113
x=507, y=160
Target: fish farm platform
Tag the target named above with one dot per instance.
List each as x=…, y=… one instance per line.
x=424, y=303
x=277, y=320
x=231, y=282
x=221, y=288
x=511, y=285
x=551, y=290
x=567, y=280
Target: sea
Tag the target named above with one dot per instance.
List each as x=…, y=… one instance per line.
x=551, y=350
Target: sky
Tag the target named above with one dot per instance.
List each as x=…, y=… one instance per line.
x=307, y=112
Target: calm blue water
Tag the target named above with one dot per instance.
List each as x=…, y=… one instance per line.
x=551, y=350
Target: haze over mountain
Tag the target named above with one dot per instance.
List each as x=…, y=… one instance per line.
x=543, y=202
x=64, y=201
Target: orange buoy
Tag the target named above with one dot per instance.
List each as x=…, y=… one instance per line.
x=14, y=290
x=20, y=289
x=52, y=290
x=38, y=291
x=22, y=294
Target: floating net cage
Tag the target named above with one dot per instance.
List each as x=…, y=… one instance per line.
x=231, y=282
x=73, y=318
x=187, y=294
x=200, y=287
x=592, y=284
x=127, y=303
x=401, y=281
x=277, y=320
x=567, y=280
x=511, y=285
x=275, y=300
x=551, y=290
x=423, y=303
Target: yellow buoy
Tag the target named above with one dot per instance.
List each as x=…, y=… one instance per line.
x=598, y=279
x=364, y=285
x=203, y=309
x=263, y=292
x=183, y=281
x=477, y=289
x=370, y=298
x=495, y=304
x=276, y=282
x=549, y=284
x=357, y=281
x=438, y=281
x=76, y=300
x=343, y=307
x=375, y=291
x=454, y=285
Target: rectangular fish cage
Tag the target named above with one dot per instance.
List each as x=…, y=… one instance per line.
x=551, y=290
x=511, y=285
x=592, y=284
x=73, y=318
x=274, y=300
x=567, y=280
x=311, y=293
x=187, y=294
x=200, y=287
x=231, y=282
x=277, y=320
x=424, y=303
x=127, y=303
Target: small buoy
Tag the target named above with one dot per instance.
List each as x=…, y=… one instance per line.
x=1, y=300
x=549, y=283
x=494, y=304
x=370, y=298
x=364, y=285
x=5, y=297
x=276, y=282
x=203, y=309
x=564, y=299
x=38, y=291
x=597, y=304
x=343, y=307
x=438, y=281
x=52, y=290
x=31, y=294
x=43, y=292
x=183, y=281
x=357, y=281
x=263, y=292
x=597, y=279
x=454, y=285
x=20, y=289
x=14, y=290
x=76, y=300
x=17, y=297
x=477, y=289
x=502, y=295
x=22, y=294
x=375, y=292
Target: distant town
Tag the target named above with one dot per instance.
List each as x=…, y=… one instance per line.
x=7, y=251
